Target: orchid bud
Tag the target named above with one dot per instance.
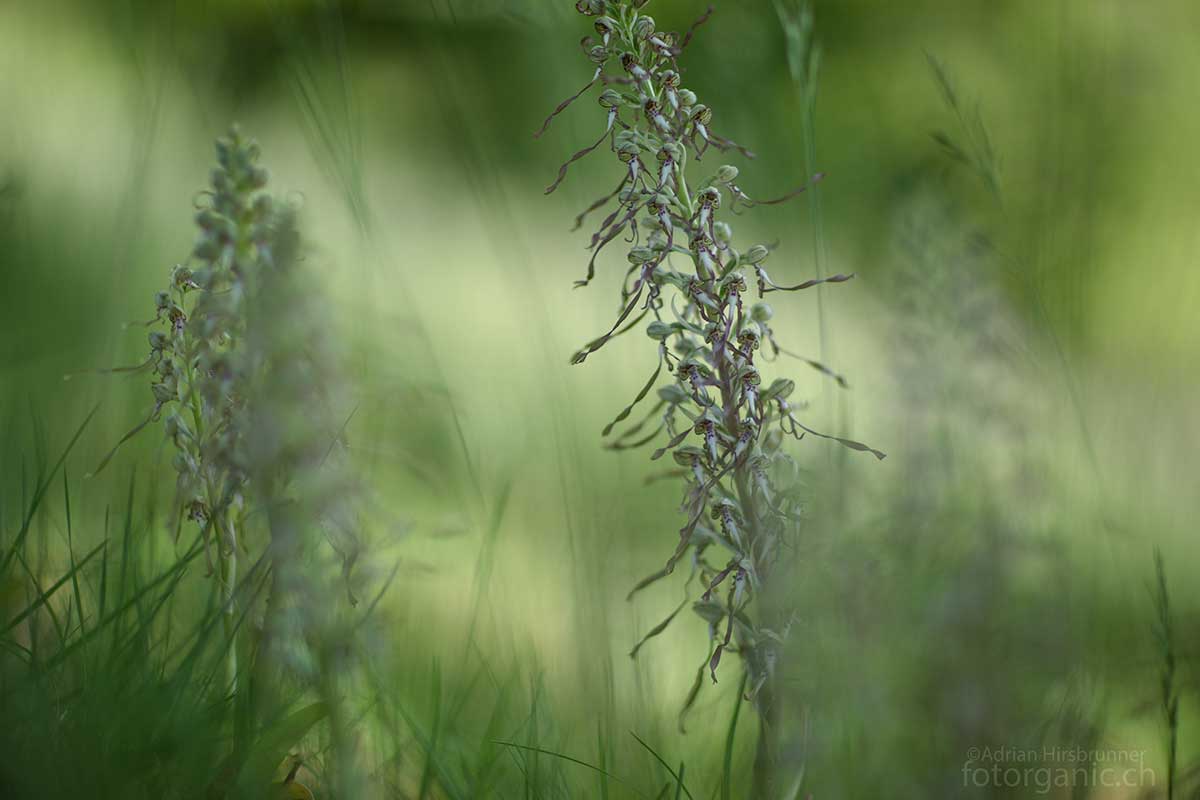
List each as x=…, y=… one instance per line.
x=181, y=276
x=223, y=147
x=207, y=248
x=670, y=152
x=643, y=27
x=591, y=8
x=165, y=391
x=756, y=254
x=687, y=97
x=610, y=98
x=687, y=455
x=166, y=368
x=726, y=173
x=761, y=312
x=780, y=389
x=219, y=179
x=659, y=330
x=175, y=426
x=207, y=219
x=626, y=137
x=605, y=26
x=259, y=177
x=262, y=206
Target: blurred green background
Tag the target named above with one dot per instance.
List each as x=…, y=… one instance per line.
x=1027, y=357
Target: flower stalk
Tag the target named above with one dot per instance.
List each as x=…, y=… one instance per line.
x=689, y=287
x=244, y=383
x=199, y=326
x=232, y=361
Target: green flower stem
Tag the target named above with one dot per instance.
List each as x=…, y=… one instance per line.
x=227, y=556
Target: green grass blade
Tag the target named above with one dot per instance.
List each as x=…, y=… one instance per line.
x=677, y=776
x=71, y=555
x=45, y=595
x=40, y=493
x=730, y=735
x=174, y=571
x=428, y=770
x=445, y=780
x=573, y=760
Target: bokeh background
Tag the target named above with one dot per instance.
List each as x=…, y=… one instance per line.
x=1026, y=351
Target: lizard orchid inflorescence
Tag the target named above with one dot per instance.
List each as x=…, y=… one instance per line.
x=241, y=378
x=691, y=290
